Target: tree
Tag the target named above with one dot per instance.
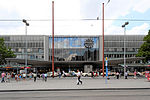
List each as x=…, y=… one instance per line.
x=5, y=52
x=144, y=50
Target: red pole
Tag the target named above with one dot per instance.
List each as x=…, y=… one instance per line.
x=103, y=34
x=53, y=38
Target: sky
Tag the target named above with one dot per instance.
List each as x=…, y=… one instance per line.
x=71, y=17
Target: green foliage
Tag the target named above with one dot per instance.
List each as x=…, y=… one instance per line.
x=5, y=52
x=144, y=50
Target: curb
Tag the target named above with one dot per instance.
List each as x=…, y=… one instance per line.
x=74, y=89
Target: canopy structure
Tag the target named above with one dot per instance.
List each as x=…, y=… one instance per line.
x=36, y=63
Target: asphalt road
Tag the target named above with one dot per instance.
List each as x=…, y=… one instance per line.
x=78, y=95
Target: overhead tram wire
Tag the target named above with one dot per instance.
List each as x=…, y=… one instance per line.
x=9, y=20
x=13, y=20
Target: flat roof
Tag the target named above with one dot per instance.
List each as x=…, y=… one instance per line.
x=111, y=62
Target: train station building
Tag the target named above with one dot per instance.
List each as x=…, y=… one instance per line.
x=73, y=52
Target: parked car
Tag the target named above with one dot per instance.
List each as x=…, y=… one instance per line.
x=66, y=75
x=109, y=74
x=50, y=74
x=73, y=73
x=86, y=74
x=90, y=74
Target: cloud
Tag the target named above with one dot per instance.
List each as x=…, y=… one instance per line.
x=142, y=6
x=139, y=30
x=68, y=11
x=27, y=8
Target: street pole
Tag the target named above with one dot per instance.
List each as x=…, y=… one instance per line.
x=53, y=38
x=103, y=34
x=26, y=61
x=26, y=55
x=124, y=26
x=124, y=51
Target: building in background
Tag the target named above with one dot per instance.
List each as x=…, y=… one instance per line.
x=70, y=52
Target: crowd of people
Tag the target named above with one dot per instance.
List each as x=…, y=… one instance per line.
x=7, y=76
x=118, y=75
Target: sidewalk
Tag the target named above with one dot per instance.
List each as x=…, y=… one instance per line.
x=69, y=83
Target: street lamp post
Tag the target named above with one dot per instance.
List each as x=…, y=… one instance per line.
x=53, y=39
x=26, y=24
x=124, y=26
x=103, y=34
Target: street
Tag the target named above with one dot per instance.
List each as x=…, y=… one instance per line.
x=140, y=94
x=71, y=83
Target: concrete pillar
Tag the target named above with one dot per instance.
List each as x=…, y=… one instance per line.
x=46, y=48
x=100, y=48
x=88, y=68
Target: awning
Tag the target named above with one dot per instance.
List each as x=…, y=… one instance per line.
x=111, y=62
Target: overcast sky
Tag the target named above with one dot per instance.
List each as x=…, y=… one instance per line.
x=69, y=15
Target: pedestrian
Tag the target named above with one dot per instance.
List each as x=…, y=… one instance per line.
x=79, y=77
x=24, y=76
x=16, y=77
x=3, y=77
x=96, y=73
x=92, y=75
x=135, y=74
x=12, y=75
x=120, y=75
x=45, y=77
x=117, y=74
x=64, y=73
x=100, y=72
x=19, y=77
x=34, y=76
x=30, y=75
x=59, y=73
x=8, y=77
x=126, y=75
x=114, y=75
x=39, y=75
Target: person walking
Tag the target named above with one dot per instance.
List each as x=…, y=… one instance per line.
x=126, y=75
x=59, y=73
x=45, y=77
x=30, y=75
x=19, y=77
x=12, y=75
x=79, y=77
x=24, y=76
x=8, y=77
x=3, y=77
x=34, y=76
x=135, y=74
x=117, y=74
x=64, y=74
x=16, y=77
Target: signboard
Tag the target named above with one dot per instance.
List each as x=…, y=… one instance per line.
x=106, y=64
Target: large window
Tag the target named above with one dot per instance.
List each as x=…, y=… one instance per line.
x=73, y=49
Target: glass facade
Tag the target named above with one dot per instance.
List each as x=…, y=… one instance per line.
x=73, y=49
x=70, y=51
